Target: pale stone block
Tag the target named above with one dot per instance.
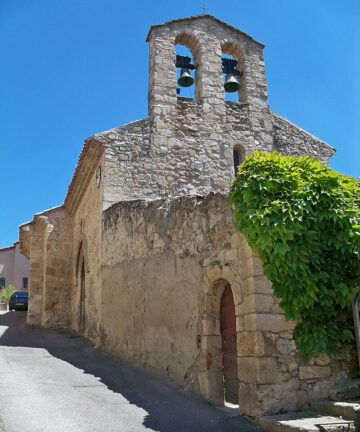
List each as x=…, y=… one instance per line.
x=248, y=399
x=275, y=397
x=214, y=273
x=322, y=359
x=276, y=308
x=231, y=255
x=285, y=346
x=209, y=304
x=267, y=322
x=314, y=372
x=254, y=344
x=210, y=326
x=286, y=335
x=293, y=366
x=258, y=285
x=211, y=343
x=211, y=386
x=255, y=303
x=253, y=267
x=239, y=324
x=236, y=241
x=321, y=389
x=228, y=274
x=262, y=370
x=247, y=252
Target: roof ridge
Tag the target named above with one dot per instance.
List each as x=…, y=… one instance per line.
x=195, y=17
x=302, y=129
x=98, y=135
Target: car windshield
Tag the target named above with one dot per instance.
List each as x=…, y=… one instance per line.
x=20, y=296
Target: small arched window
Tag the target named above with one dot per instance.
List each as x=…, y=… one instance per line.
x=238, y=156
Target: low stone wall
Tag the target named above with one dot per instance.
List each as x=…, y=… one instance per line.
x=164, y=267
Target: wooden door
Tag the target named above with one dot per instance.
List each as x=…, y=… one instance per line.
x=229, y=346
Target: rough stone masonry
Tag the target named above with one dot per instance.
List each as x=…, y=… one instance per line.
x=139, y=255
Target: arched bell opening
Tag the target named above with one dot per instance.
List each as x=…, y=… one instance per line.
x=186, y=64
x=233, y=73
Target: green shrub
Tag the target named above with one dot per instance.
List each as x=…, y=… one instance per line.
x=304, y=219
x=6, y=293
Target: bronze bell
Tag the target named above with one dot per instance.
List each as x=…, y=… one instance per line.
x=185, y=79
x=231, y=84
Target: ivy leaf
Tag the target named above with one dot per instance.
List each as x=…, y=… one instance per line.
x=304, y=219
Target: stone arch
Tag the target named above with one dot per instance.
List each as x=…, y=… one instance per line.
x=229, y=346
x=192, y=43
x=82, y=267
x=211, y=381
x=233, y=49
x=82, y=254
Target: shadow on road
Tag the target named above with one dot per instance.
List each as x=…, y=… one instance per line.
x=170, y=408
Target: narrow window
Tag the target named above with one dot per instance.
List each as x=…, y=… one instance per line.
x=2, y=282
x=236, y=160
x=25, y=283
x=238, y=157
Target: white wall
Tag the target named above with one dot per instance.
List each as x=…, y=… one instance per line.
x=13, y=266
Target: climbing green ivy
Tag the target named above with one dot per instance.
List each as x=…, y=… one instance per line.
x=304, y=219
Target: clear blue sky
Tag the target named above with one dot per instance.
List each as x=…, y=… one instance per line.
x=64, y=76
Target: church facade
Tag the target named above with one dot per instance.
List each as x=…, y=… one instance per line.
x=143, y=258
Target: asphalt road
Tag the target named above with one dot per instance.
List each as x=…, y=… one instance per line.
x=51, y=381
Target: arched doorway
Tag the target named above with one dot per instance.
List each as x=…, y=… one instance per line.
x=81, y=270
x=229, y=346
x=82, y=299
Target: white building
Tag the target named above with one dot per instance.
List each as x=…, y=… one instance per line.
x=14, y=267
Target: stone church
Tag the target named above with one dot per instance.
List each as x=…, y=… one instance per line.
x=143, y=258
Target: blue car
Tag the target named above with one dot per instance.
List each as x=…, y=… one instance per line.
x=19, y=301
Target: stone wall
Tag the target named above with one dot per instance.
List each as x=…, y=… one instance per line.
x=86, y=232
x=194, y=155
x=290, y=139
x=37, y=256
x=127, y=172
x=164, y=266
x=50, y=269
